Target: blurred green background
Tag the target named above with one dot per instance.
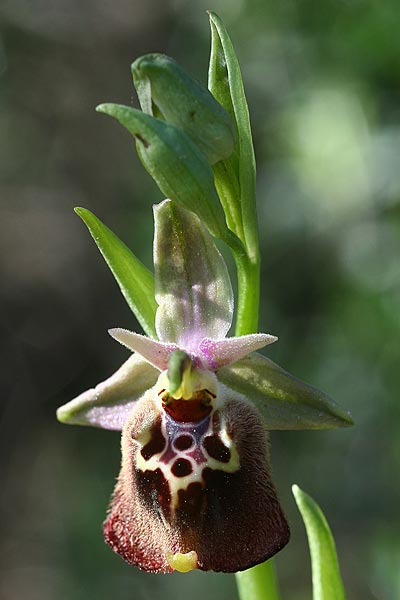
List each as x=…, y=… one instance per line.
x=322, y=82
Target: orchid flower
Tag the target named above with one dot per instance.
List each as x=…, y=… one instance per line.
x=194, y=406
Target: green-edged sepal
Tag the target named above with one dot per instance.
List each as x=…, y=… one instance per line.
x=136, y=282
x=284, y=401
x=167, y=91
x=110, y=403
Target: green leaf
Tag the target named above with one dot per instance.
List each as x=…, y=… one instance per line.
x=136, y=282
x=167, y=91
x=226, y=85
x=235, y=176
x=284, y=401
x=179, y=168
x=327, y=582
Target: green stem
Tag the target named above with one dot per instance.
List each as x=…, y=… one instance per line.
x=228, y=190
x=258, y=583
x=248, y=274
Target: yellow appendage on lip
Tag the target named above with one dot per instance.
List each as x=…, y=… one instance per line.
x=183, y=562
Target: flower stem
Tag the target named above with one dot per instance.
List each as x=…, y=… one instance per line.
x=248, y=274
x=258, y=583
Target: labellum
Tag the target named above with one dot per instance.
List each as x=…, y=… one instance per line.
x=195, y=488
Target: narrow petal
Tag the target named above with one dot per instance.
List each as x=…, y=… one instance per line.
x=284, y=401
x=219, y=353
x=156, y=353
x=193, y=289
x=109, y=404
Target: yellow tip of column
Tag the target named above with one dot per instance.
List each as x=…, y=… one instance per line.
x=183, y=562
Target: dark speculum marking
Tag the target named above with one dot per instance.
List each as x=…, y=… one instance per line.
x=157, y=442
x=181, y=467
x=216, y=448
x=154, y=491
x=191, y=504
x=183, y=442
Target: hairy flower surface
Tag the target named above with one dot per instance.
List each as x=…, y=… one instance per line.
x=195, y=488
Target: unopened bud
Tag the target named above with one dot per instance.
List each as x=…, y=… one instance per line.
x=167, y=91
x=176, y=164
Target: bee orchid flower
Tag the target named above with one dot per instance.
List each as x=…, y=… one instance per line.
x=194, y=407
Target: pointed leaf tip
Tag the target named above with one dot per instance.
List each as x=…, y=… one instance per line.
x=105, y=107
x=327, y=581
x=135, y=281
x=236, y=181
